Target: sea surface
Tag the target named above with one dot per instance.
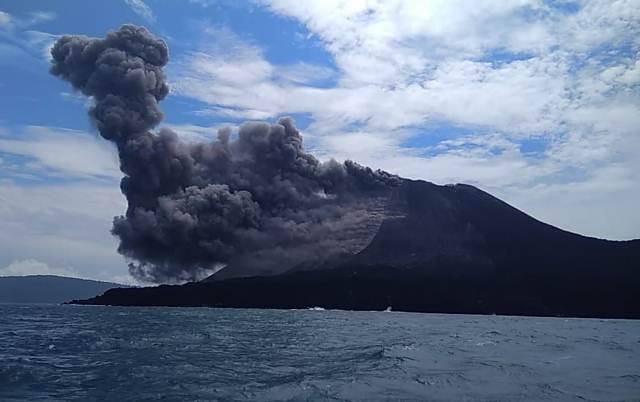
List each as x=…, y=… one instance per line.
x=84, y=353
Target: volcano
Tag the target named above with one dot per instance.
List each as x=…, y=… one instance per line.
x=446, y=249
x=291, y=231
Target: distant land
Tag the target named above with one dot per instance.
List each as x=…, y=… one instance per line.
x=49, y=289
x=448, y=249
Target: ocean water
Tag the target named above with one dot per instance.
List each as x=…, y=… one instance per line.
x=50, y=352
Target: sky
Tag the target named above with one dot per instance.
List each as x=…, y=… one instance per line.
x=536, y=102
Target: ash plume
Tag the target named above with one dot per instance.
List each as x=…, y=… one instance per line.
x=255, y=199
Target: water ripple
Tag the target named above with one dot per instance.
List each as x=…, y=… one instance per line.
x=100, y=353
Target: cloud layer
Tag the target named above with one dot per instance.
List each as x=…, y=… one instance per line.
x=35, y=267
x=530, y=93
x=535, y=101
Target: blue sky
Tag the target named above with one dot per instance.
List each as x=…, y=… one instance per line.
x=535, y=101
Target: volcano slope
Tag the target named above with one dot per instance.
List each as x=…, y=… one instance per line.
x=445, y=249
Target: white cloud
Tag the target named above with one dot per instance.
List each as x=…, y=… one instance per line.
x=139, y=7
x=21, y=45
x=195, y=133
x=507, y=71
x=235, y=79
x=564, y=75
x=41, y=41
x=32, y=266
x=38, y=17
x=204, y=3
x=65, y=225
x=35, y=267
x=623, y=74
x=494, y=73
x=9, y=22
x=62, y=153
x=603, y=204
x=305, y=73
x=5, y=19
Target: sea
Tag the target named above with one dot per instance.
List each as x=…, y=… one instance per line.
x=96, y=353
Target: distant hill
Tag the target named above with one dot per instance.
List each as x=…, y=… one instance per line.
x=49, y=289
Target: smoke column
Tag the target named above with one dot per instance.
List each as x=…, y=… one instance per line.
x=258, y=199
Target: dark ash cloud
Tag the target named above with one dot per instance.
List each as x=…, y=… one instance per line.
x=259, y=199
